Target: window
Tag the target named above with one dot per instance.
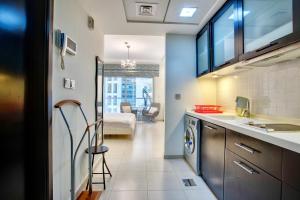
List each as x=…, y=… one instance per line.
x=115, y=100
x=109, y=100
x=135, y=90
x=109, y=88
x=115, y=87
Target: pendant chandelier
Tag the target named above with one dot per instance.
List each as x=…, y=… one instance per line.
x=128, y=63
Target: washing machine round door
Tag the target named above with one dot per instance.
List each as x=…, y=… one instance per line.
x=189, y=140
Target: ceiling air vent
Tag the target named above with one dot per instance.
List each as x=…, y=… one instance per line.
x=143, y=9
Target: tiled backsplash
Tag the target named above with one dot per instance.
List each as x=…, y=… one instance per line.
x=273, y=91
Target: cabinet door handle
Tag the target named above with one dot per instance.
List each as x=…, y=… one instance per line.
x=209, y=127
x=244, y=167
x=266, y=46
x=244, y=147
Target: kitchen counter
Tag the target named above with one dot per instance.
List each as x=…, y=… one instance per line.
x=287, y=140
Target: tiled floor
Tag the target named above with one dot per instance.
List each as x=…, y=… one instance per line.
x=141, y=173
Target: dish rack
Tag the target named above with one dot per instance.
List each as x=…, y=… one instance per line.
x=208, y=109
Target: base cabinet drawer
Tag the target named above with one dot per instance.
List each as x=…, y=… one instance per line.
x=289, y=193
x=262, y=154
x=244, y=181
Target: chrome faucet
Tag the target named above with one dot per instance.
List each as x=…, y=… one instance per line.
x=242, y=106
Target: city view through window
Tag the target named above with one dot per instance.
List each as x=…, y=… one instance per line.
x=135, y=90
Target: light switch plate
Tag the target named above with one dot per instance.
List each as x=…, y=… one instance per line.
x=73, y=84
x=67, y=83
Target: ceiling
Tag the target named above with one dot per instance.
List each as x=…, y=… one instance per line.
x=144, y=49
x=167, y=11
x=116, y=17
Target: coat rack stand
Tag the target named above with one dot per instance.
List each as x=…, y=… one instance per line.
x=90, y=194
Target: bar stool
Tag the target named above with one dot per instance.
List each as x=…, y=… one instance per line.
x=100, y=149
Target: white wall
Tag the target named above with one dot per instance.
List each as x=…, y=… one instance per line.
x=72, y=19
x=159, y=90
x=273, y=91
x=181, y=79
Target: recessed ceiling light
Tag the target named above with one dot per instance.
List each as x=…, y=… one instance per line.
x=187, y=12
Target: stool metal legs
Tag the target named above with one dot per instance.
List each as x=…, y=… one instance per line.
x=104, y=165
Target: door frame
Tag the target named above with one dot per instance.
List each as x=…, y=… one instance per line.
x=38, y=99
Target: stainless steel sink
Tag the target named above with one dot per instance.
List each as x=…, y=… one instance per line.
x=276, y=127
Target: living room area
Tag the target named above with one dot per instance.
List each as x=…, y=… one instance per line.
x=133, y=83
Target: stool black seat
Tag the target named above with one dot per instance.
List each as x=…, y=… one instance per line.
x=95, y=150
x=100, y=149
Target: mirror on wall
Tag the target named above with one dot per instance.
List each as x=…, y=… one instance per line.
x=99, y=88
x=99, y=78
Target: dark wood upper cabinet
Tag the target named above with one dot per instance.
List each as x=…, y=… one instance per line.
x=203, y=51
x=245, y=29
x=268, y=25
x=224, y=36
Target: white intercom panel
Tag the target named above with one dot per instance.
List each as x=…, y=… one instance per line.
x=66, y=45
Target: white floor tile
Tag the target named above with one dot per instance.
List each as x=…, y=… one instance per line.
x=163, y=181
x=156, y=164
x=105, y=195
x=130, y=181
x=140, y=171
x=199, y=194
x=166, y=195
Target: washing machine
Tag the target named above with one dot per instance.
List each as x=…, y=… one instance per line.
x=192, y=142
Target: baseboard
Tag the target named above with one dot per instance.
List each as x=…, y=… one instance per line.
x=173, y=156
x=82, y=185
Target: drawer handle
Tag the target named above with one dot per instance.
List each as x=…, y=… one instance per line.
x=244, y=147
x=244, y=167
x=209, y=127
